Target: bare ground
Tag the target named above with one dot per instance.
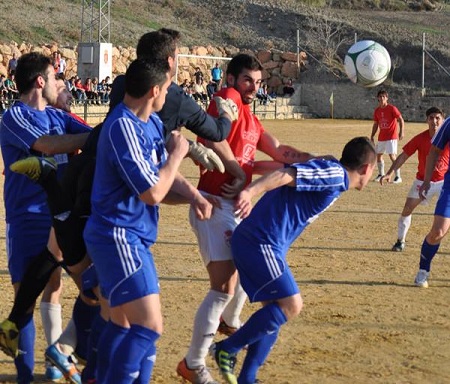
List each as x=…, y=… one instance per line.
x=363, y=320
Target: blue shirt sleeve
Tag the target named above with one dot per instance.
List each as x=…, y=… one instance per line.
x=320, y=175
x=442, y=136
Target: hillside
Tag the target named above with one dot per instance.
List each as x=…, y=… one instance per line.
x=256, y=24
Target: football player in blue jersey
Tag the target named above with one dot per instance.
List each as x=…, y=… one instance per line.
x=31, y=126
x=135, y=170
x=295, y=196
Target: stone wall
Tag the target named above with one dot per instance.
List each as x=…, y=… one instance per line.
x=355, y=102
x=278, y=66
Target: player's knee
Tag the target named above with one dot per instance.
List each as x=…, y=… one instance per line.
x=292, y=307
x=435, y=236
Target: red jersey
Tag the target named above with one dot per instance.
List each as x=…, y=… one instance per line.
x=387, y=122
x=243, y=140
x=422, y=144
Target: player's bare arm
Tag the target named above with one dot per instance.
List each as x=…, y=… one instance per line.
x=374, y=131
x=223, y=149
x=278, y=178
x=53, y=144
x=280, y=152
x=397, y=164
x=401, y=128
x=432, y=158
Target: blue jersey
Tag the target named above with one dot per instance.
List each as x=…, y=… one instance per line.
x=20, y=128
x=440, y=140
x=282, y=214
x=130, y=153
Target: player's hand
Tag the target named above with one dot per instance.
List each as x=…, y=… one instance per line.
x=231, y=190
x=227, y=106
x=243, y=205
x=423, y=190
x=202, y=207
x=385, y=179
x=205, y=156
x=177, y=145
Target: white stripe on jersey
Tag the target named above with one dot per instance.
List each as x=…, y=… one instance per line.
x=270, y=260
x=132, y=141
x=20, y=120
x=124, y=251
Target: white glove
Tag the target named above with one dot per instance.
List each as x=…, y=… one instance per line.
x=227, y=106
x=205, y=156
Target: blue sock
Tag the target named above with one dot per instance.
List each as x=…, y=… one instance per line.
x=131, y=353
x=427, y=253
x=83, y=316
x=263, y=322
x=108, y=343
x=147, y=366
x=98, y=325
x=255, y=357
x=25, y=361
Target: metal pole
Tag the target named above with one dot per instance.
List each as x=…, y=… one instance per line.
x=298, y=51
x=423, y=64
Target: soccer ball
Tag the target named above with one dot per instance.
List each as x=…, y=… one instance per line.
x=367, y=63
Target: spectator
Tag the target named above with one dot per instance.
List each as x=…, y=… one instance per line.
x=185, y=86
x=70, y=84
x=62, y=65
x=262, y=95
x=211, y=89
x=198, y=75
x=199, y=92
x=216, y=75
x=55, y=61
x=94, y=91
x=12, y=64
x=80, y=90
x=288, y=89
x=102, y=91
x=11, y=87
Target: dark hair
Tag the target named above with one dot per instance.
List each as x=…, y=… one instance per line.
x=357, y=152
x=29, y=67
x=243, y=61
x=432, y=110
x=382, y=92
x=160, y=44
x=142, y=75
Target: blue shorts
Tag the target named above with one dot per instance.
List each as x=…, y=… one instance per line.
x=25, y=240
x=443, y=204
x=263, y=272
x=125, y=268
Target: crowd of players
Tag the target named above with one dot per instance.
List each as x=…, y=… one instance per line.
x=87, y=200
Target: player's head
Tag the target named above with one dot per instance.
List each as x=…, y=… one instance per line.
x=244, y=73
x=35, y=70
x=65, y=98
x=160, y=44
x=435, y=118
x=382, y=97
x=359, y=158
x=143, y=76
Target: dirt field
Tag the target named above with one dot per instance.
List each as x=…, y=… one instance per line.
x=363, y=319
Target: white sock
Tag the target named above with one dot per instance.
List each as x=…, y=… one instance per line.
x=233, y=310
x=68, y=339
x=206, y=321
x=404, y=222
x=397, y=173
x=380, y=166
x=51, y=321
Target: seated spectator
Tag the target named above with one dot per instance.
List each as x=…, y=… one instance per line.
x=103, y=92
x=70, y=85
x=3, y=90
x=185, y=86
x=11, y=87
x=211, y=89
x=94, y=91
x=288, y=89
x=199, y=92
x=262, y=95
x=80, y=91
x=88, y=89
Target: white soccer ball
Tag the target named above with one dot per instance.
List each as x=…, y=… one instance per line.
x=367, y=63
